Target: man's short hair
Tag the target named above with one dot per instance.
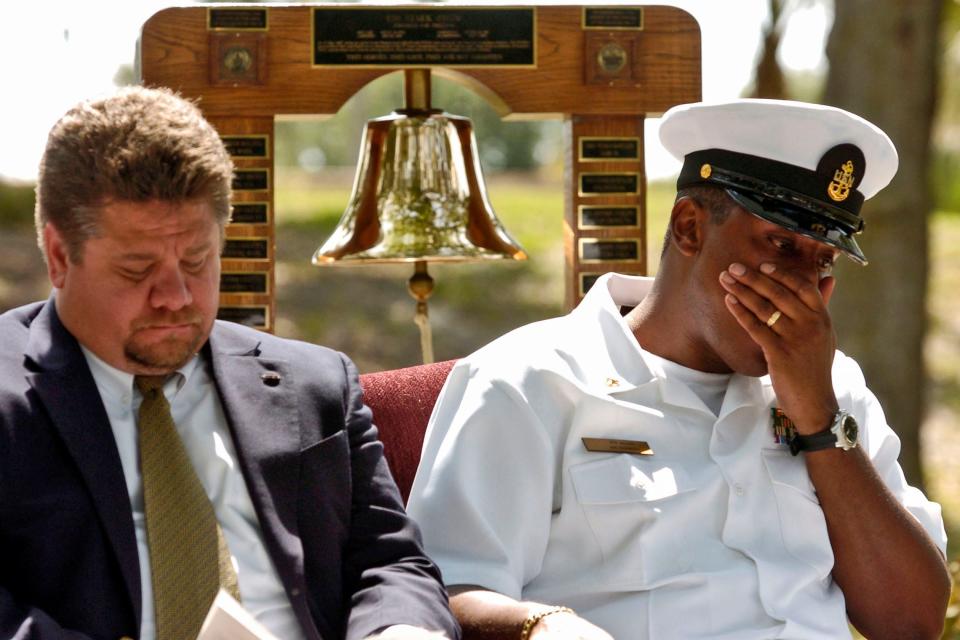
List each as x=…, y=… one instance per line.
x=712, y=198
x=138, y=145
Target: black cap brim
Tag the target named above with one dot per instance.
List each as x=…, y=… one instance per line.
x=802, y=222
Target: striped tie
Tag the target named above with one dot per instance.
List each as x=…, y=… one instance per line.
x=189, y=558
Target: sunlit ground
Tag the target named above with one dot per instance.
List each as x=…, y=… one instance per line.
x=366, y=311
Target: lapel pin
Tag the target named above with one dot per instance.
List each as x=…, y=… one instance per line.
x=613, y=382
x=270, y=378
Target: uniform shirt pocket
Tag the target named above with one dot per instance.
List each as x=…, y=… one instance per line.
x=636, y=508
x=803, y=526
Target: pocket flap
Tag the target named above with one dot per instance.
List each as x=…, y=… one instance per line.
x=789, y=471
x=626, y=478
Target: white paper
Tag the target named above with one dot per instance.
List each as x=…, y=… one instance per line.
x=228, y=620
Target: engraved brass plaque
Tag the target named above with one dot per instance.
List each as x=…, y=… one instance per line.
x=237, y=19
x=252, y=146
x=256, y=316
x=244, y=282
x=607, y=148
x=592, y=184
x=251, y=180
x=587, y=280
x=608, y=217
x=246, y=249
x=419, y=36
x=250, y=213
x=609, y=250
x=626, y=18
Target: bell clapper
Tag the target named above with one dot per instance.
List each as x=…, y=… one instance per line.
x=420, y=287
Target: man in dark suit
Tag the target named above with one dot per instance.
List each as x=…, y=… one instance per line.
x=309, y=529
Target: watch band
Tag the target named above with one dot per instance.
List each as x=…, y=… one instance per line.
x=814, y=442
x=842, y=432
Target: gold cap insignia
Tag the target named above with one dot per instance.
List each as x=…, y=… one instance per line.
x=705, y=171
x=839, y=187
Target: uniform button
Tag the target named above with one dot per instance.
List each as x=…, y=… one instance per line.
x=738, y=489
x=294, y=592
x=126, y=638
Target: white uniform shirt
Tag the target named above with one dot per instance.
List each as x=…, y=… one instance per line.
x=719, y=534
x=198, y=415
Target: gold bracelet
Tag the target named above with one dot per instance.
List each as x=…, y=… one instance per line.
x=534, y=618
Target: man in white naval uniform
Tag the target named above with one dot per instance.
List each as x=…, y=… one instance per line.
x=707, y=465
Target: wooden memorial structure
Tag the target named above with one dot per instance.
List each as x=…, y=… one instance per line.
x=603, y=69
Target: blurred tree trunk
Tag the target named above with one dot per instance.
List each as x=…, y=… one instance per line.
x=768, y=79
x=884, y=65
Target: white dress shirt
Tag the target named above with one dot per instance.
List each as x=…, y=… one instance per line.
x=718, y=534
x=198, y=415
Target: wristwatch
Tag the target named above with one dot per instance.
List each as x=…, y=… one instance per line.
x=843, y=432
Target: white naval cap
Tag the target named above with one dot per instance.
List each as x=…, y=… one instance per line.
x=807, y=167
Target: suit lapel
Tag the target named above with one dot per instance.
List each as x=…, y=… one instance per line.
x=260, y=403
x=69, y=394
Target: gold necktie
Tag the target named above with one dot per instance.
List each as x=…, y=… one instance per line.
x=189, y=558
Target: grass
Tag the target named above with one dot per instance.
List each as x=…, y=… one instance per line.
x=472, y=302
x=366, y=312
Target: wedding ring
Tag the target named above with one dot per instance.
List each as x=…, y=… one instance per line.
x=772, y=320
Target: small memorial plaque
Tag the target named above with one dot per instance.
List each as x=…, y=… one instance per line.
x=246, y=249
x=250, y=213
x=421, y=36
x=605, y=149
x=251, y=180
x=609, y=184
x=236, y=19
x=604, y=217
x=256, y=316
x=247, y=146
x=244, y=282
x=613, y=18
x=607, y=250
x=587, y=280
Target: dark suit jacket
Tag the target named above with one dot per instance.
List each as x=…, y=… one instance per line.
x=331, y=516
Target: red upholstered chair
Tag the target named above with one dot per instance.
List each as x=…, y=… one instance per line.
x=401, y=401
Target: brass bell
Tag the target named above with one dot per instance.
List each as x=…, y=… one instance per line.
x=418, y=196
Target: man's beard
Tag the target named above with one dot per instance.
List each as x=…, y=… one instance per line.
x=172, y=352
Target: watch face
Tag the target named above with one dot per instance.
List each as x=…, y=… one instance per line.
x=850, y=429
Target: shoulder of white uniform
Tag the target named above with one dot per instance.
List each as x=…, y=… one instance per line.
x=847, y=371
x=532, y=346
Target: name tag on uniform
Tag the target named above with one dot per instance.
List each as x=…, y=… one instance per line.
x=608, y=445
